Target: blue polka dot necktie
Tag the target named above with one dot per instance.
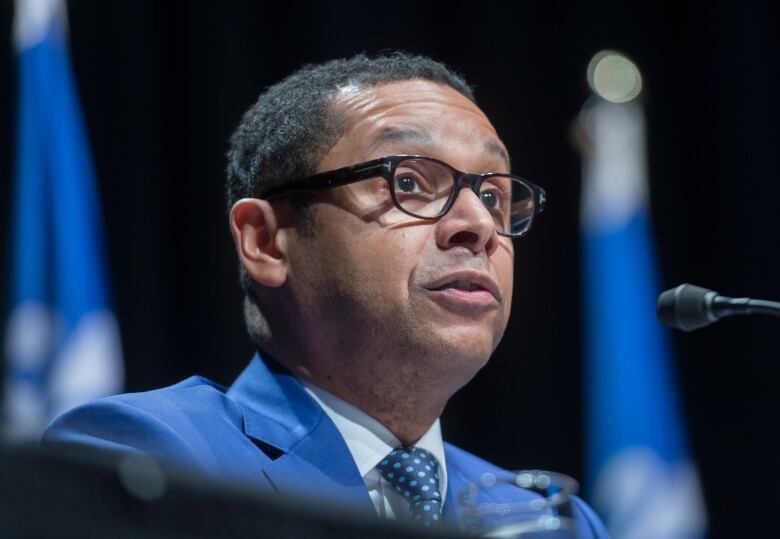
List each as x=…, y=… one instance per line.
x=414, y=473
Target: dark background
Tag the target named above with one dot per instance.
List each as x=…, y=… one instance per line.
x=163, y=84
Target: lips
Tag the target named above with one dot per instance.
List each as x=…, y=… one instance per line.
x=461, y=285
x=466, y=282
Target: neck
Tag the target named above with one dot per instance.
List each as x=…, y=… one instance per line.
x=378, y=390
x=407, y=416
x=404, y=387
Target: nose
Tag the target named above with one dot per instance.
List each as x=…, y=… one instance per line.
x=467, y=224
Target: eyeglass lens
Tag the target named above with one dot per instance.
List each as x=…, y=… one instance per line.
x=422, y=188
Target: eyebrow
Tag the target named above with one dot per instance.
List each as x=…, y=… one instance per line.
x=492, y=147
x=409, y=134
x=401, y=134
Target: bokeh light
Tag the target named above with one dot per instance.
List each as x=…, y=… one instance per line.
x=614, y=77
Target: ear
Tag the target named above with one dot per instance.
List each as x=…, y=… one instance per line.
x=259, y=241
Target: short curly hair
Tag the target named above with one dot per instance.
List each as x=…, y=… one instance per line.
x=286, y=133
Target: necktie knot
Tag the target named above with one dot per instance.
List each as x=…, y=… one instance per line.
x=414, y=473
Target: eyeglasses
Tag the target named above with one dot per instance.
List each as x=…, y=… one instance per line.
x=426, y=188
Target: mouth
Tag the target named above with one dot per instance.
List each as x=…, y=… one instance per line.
x=466, y=288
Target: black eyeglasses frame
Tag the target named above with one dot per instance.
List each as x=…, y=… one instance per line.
x=384, y=167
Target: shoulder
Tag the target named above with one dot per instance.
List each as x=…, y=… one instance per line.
x=496, y=485
x=175, y=423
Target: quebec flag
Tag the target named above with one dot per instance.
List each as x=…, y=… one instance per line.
x=62, y=341
x=642, y=479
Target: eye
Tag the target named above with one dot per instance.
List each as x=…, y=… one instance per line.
x=406, y=184
x=489, y=199
x=419, y=180
x=493, y=197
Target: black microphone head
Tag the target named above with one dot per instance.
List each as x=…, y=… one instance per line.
x=686, y=307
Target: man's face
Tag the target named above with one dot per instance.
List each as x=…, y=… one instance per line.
x=408, y=290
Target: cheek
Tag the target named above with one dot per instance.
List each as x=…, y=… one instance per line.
x=504, y=267
x=391, y=257
x=371, y=266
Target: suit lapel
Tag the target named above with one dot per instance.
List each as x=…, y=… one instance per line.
x=465, y=472
x=455, y=489
x=321, y=466
x=316, y=461
x=459, y=481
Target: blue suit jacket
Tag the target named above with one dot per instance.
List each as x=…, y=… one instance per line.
x=267, y=431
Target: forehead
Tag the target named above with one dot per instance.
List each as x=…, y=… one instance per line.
x=415, y=117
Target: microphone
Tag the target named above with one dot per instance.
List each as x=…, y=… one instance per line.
x=690, y=307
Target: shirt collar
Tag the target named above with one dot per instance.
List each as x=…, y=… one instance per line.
x=370, y=441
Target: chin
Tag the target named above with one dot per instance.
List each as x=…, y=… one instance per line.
x=468, y=347
x=476, y=337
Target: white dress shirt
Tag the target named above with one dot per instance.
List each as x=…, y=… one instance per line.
x=369, y=442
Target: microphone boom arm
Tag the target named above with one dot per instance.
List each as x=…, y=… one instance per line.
x=688, y=307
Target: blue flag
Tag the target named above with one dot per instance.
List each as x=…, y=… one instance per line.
x=62, y=340
x=641, y=477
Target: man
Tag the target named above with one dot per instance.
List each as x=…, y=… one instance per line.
x=377, y=284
